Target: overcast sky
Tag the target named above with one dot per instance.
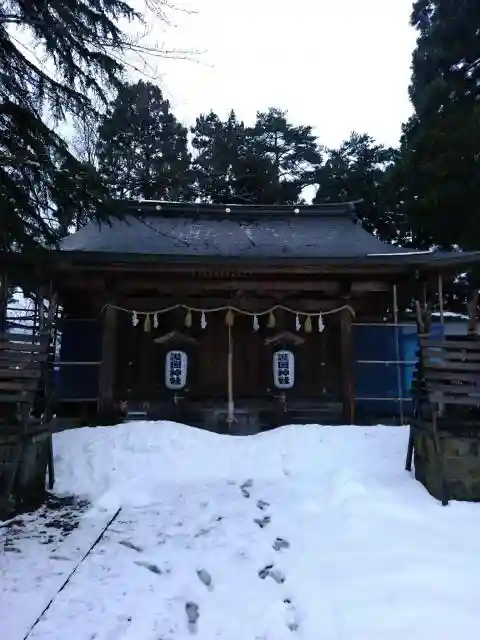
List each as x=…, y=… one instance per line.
x=338, y=65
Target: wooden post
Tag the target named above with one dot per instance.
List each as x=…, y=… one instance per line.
x=398, y=354
x=108, y=366
x=40, y=311
x=3, y=303
x=423, y=321
x=472, y=315
x=441, y=302
x=347, y=366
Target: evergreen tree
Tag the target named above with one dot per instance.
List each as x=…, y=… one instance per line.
x=360, y=169
x=84, y=141
x=142, y=149
x=74, y=60
x=440, y=152
x=267, y=163
x=218, y=147
x=292, y=151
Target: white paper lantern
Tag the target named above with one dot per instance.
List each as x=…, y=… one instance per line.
x=176, y=363
x=283, y=369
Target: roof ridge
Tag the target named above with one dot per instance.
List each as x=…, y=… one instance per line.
x=197, y=209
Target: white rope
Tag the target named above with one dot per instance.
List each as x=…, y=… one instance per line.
x=252, y=314
x=229, y=308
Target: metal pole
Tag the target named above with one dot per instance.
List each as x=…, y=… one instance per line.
x=397, y=347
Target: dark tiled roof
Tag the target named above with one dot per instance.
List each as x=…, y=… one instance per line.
x=213, y=231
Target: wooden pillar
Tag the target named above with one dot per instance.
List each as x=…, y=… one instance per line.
x=107, y=372
x=398, y=354
x=346, y=348
x=441, y=302
x=145, y=384
x=472, y=315
x=3, y=303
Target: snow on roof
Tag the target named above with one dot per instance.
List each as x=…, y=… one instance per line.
x=450, y=314
x=400, y=253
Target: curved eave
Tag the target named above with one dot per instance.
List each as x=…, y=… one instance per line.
x=400, y=263
x=403, y=261
x=449, y=260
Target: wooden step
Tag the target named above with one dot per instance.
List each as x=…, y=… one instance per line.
x=13, y=357
x=22, y=334
x=18, y=385
x=22, y=346
x=23, y=397
x=14, y=373
x=9, y=428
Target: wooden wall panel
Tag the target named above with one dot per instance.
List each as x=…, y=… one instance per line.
x=212, y=357
x=140, y=361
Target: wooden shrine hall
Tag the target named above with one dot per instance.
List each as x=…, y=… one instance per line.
x=231, y=317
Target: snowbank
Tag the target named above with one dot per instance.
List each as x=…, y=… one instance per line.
x=309, y=532
x=128, y=464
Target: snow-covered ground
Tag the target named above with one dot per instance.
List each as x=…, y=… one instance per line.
x=303, y=532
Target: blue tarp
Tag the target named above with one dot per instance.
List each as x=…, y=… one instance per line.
x=81, y=341
x=383, y=368
x=385, y=357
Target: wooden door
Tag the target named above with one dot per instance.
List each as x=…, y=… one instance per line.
x=318, y=364
x=247, y=359
x=212, y=354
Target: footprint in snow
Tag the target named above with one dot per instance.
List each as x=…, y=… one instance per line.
x=262, y=522
x=280, y=544
x=270, y=572
x=193, y=613
x=205, y=578
x=130, y=545
x=277, y=575
x=244, y=488
x=263, y=573
x=150, y=567
x=293, y=621
x=262, y=505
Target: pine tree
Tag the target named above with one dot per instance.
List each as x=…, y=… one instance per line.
x=142, y=149
x=292, y=151
x=269, y=162
x=360, y=169
x=218, y=147
x=440, y=152
x=75, y=60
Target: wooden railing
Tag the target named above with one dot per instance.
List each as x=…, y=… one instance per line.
x=22, y=363
x=446, y=392
x=26, y=368
x=449, y=373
